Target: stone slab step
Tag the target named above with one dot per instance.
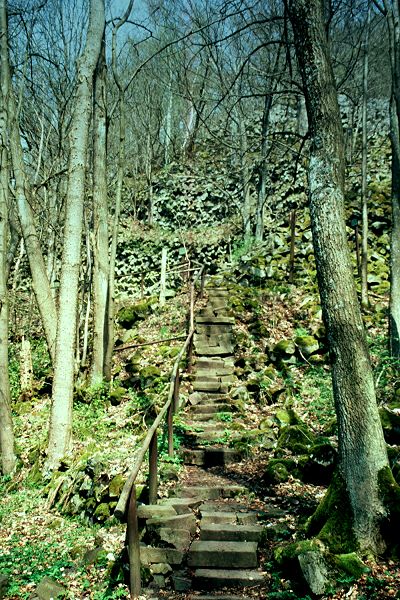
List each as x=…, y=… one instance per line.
x=181, y=505
x=211, y=386
x=211, y=456
x=210, y=409
x=228, y=555
x=219, y=517
x=185, y=521
x=212, y=329
x=213, y=363
x=206, y=579
x=155, y=511
x=211, y=492
x=214, y=350
x=231, y=532
x=211, y=320
x=206, y=398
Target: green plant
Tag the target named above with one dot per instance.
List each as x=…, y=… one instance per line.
x=225, y=417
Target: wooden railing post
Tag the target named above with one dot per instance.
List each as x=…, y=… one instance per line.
x=203, y=282
x=153, y=479
x=133, y=546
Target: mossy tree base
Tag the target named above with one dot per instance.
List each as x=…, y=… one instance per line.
x=332, y=551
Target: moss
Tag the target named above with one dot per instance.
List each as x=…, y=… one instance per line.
x=116, y=395
x=287, y=416
x=297, y=438
x=389, y=492
x=332, y=522
x=284, y=347
x=350, y=564
x=286, y=554
x=102, y=512
x=116, y=485
x=149, y=376
x=307, y=344
x=277, y=471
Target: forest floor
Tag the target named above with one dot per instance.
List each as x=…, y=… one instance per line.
x=37, y=540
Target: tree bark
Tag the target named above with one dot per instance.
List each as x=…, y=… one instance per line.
x=392, y=19
x=6, y=427
x=41, y=286
x=63, y=383
x=362, y=449
x=100, y=217
x=364, y=186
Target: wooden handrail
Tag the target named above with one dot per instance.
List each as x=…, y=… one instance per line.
x=126, y=509
x=120, y=509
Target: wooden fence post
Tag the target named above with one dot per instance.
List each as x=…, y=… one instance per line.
x=153, y=483
x=163, y=280
x=133, y=546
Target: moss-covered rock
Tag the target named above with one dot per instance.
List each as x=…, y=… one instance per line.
x=351, y=564
x=287, y=416
x=149, y=377
x=129, y=315
x=307, y=345
x=116, y=395
x=116, y=485
x=102, y=512
x=277, y=471
x=284, y=348
x=296, y=438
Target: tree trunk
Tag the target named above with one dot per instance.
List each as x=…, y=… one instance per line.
x=114, y=243
x=100, y=217
x=63, y=383
x=362, y=449
x=41, y=286
x=246, y=196
x=263, y=172
x=364, y=186
x=6, y=428
x=392, y=18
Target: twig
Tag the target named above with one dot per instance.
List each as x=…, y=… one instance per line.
x=179, y=337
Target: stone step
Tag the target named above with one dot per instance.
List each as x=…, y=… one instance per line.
x=216, y=363
x=211, y=492
x=211, y=456
x=181, y=505
x=185, y=521
x=208, y=579
x=221, y=371
x=211, y=386
x=155, y=511
x=197, y=398
x=215, y=339
x=210, y=409
x=211, y=329
x=218, y=518
x=212, y=320
x=228, y=555
x=231, y=532
x=214, y=350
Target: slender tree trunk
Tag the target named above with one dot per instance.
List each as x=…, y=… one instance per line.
x=114, y=243
x=263, y=176
x=168, y=124
x=246, y=202
x=41, y=287
x=100, y=217
x=6, y=427
x=364, y=186
x=392, y=18
x=63, y=383
x=362, y=449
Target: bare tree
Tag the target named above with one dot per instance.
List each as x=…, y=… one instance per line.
x=63, y=383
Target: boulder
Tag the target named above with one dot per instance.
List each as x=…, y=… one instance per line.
x=48, y=589
x=307, y=345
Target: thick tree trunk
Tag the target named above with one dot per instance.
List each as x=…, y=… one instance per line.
x=362, y=449
x=63, y=383
x=100, y=217
x=6, y=428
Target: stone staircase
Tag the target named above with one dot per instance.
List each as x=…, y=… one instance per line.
x=205, y=538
